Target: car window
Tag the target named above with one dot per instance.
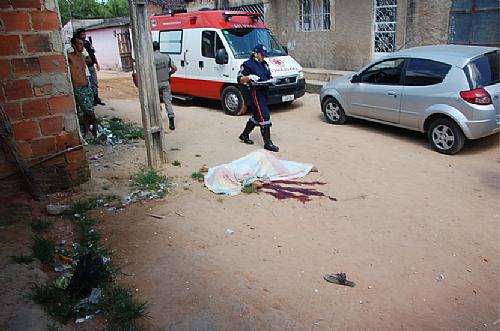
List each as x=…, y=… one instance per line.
x=171, y=41
x=422, y=72
x=484, y=70
x=210, y=43
x=386, y=72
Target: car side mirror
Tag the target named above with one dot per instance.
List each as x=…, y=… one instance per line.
x=356, y=79
x=286, y=50
x=221, y=56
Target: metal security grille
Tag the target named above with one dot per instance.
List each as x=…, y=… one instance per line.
x=385, y=25
x=314, y=15
x=257, y=8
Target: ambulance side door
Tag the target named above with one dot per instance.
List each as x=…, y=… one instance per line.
x=171, y=43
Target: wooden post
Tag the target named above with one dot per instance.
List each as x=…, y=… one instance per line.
x=148, y=87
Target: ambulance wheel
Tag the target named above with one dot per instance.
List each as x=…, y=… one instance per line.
x=233, y=101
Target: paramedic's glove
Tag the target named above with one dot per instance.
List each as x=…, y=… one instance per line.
x=254, y=78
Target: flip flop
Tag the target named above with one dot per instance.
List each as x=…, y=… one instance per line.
x=339, y=279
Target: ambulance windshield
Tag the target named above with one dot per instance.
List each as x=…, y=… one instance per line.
x=243, y=40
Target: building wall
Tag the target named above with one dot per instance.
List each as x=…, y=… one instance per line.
x=36, y=93
x=428, y=22
x=105, y=42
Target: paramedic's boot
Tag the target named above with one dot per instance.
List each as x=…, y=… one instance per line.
x=268, y=144
x=171, y=125
x=245, y=135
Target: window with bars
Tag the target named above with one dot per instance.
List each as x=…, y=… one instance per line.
x=314, y=15
x=385, y=26
x=475, y=22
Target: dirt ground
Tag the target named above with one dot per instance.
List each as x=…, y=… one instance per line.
x=417, y=231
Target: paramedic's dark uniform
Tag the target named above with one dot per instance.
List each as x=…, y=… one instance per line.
x=258, y=93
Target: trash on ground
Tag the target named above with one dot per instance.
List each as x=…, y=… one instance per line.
x=160, y=217
x=56, y=209
x=229, y=232
x=93, y=298
x=440, y=277
x=83, y=319
x=203, y=169
x=63, y=281
x=87, y=274
x=339, y=279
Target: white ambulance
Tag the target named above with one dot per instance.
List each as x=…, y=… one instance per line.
x=208, y=48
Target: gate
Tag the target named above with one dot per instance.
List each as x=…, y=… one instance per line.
x=125, y=49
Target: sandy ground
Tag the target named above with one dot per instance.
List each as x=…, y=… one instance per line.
x=417, y=231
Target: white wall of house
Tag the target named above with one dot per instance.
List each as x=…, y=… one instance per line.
x=106, y=44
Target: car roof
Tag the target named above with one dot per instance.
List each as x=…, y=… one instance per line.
x=458, y=55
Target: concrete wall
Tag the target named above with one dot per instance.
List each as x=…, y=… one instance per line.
x=105, y=42
x=36, y=93
x=427, y=22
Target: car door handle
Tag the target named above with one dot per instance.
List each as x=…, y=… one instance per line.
x=392, y=94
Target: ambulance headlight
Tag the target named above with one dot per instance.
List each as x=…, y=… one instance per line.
x=301, y=75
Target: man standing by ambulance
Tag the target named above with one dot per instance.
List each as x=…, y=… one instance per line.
x=165, y=67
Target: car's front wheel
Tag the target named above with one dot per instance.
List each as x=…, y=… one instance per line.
x=333, y=111
x=445, y=136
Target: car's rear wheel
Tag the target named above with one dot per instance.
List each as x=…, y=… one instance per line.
x=445, y=136
x=233, y=101
x=333, y=111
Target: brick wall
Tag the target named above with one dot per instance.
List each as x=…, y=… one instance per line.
x=36, y=93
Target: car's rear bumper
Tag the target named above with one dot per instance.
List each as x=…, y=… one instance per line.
x=481, y=128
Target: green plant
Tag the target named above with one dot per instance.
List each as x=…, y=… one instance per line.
x=249, y=189
x=56, y=302
x=149, y=179
x=53, y=327
x=43, y=250
x=176, y=163
x=199, y=176
x=40, y=226
x=25, y=259
x=120, y=130
x=121, y=309
x=82, y=206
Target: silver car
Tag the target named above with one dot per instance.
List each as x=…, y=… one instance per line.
x=449, y=91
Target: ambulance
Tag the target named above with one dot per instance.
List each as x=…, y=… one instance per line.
x=208, y=48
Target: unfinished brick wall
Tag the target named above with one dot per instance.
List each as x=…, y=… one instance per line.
x=36, y=93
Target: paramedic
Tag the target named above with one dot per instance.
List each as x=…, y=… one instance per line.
x=165, y=67
x=252, y=71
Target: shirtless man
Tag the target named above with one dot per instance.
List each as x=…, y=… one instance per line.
x=84, y=97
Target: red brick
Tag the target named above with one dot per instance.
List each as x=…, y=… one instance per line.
x=45, y=20
x=66, y=139
x=18, y=89
x=36, y=43
x=4, y=4
x=11, y=45
x=35, y=107
x=73, y=165
x=43, y=90
x=76, y=156
x=52, y=125
x=61, y=104
x=53, y=63
x=25, y=149
x=15, y=21
x=27, y=4
x=26, y=130
x=13, y=110
x=7, y=168
x=26, y=67
x=4, y=69
x=43, y=146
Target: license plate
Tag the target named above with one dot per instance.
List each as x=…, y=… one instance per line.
x=287, y=98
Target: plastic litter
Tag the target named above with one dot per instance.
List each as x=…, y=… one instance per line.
x=87, y=274
x=229, y=232
x=84, y=319
x=56, y=209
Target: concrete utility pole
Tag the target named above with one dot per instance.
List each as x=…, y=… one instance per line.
x=156, y=146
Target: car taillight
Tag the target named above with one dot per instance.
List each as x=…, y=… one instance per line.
x=477, y=96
